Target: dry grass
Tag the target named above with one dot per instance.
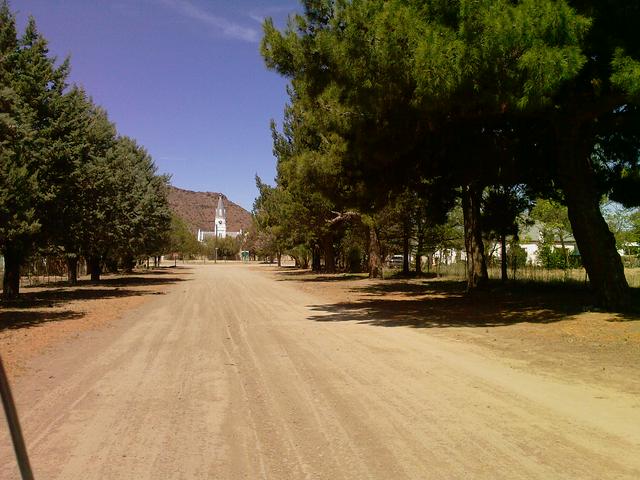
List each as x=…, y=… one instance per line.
x=539, y=274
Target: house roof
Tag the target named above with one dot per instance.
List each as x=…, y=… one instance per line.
x=533, y=234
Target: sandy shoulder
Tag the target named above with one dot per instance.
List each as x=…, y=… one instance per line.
x=546, y=332
x=49, y=316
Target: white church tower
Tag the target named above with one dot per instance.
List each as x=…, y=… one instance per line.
x=220, y=227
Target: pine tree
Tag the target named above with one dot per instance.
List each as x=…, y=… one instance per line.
x=488, y=89
x=31, y=86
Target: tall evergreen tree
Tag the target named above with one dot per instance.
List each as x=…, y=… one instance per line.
x=602, y=98
x=31, y=87
x=477, y=87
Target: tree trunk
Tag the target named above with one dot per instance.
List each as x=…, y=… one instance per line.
x=11, y=278
x=315, y=259
x=477, y=275
x=419, y=256
x=329, y=254
x=405, y=252
x=595, y=241
x=72, y=269
x=504, y=276
x=375, y=257
x=563, y=247
x=128, y=262
x=95, y=268
x=279, y=256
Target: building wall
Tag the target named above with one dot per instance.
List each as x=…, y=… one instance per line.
x=532, y=250
x=203, y=235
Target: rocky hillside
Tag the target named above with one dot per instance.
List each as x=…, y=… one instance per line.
x=198, y=210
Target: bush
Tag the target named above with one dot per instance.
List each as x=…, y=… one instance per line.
x=551, y=257
x=228, y=248
x=355, y=257
x=516, y=256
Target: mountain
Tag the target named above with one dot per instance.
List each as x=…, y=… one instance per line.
x=198, y=210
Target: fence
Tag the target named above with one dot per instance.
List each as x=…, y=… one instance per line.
x=531, y=273
x=44, y=270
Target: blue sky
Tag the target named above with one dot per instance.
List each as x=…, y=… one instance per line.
x=183, y=77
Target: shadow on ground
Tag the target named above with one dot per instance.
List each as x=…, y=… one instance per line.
x=136, y=281
x=29, y=318
x=31, y=308
x=298, y=275
x=138, y=277
x=165, y=270
x=442, y=304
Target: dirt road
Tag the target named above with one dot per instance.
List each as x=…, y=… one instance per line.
x=232, y=375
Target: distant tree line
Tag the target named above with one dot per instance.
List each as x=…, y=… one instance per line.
x=70, y=186
x=446, y=115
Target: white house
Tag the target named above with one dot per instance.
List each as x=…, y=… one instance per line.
x=532, y=237
x=449, y=256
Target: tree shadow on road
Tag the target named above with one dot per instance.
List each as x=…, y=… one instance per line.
x=34, y=305
x=299, y=275
x=165, y=270
x=444, y=304
x=53, y=297
x=135, y=281
x=151, y=277
x=29, y=318
x=412, y=289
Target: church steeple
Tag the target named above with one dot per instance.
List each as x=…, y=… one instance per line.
x=220, y=211
x=221, y=219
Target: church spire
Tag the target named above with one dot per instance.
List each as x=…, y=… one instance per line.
x=220, y=227
x=220, y=211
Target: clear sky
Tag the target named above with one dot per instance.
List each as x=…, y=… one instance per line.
x=183, y=77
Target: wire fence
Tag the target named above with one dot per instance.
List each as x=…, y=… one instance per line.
x=531, y=273
x=44, y=270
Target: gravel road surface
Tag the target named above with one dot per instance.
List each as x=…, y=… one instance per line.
x=233, y=375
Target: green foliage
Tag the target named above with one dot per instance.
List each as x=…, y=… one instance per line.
x=626, y=74
x=140, y=210
x=352, y=246
x=30, y=86
x=446, y=236
x=516, y=256
x=271, y=212
x=503, y=211
x=222, y=248
x=376, y=83
x=624, y=223
x=301, y=254
x=554, y=219
x=551, y=257
x=386, y=96
x=181, y=240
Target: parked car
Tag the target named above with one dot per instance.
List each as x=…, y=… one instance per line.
x=395, y=261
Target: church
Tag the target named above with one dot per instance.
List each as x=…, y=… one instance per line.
x=219, y=225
